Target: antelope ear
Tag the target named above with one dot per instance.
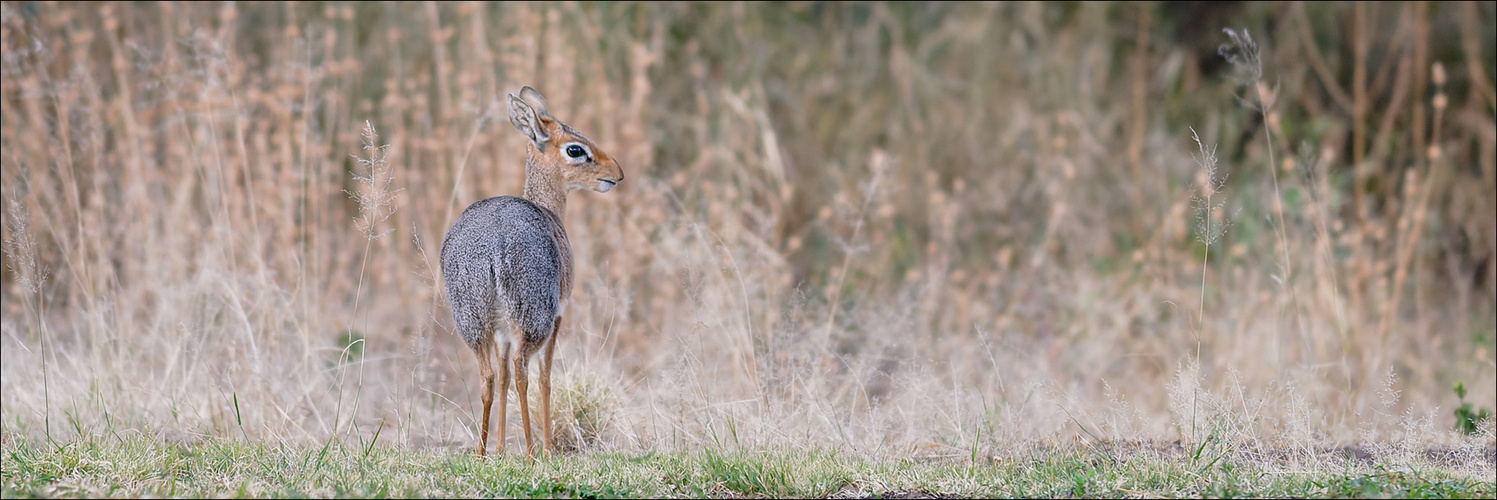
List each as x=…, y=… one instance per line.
x=526, y=113
x=535, y=100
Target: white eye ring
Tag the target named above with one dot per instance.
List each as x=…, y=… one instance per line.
x=576, y=153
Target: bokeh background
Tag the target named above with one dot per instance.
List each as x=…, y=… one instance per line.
x=897, y=229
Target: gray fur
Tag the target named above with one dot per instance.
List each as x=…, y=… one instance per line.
x=503, y=264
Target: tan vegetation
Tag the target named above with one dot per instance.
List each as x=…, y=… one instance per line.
x=887, y=229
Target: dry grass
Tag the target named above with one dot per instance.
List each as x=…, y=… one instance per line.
x=893, y=230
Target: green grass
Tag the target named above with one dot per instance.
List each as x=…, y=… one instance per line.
x=140, y=466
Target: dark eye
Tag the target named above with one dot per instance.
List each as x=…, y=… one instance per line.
x=576, y=151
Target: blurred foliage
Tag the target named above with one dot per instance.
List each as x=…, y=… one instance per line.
x=841, y=191
x=1467, y=419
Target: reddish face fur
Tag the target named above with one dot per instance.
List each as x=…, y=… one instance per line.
x=579, y=162
x=594, y=169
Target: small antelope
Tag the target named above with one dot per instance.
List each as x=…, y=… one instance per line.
x=508, y=266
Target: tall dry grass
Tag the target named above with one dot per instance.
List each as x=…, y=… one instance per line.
x=929, y=229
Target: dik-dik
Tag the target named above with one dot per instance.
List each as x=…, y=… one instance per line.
x=508, y=266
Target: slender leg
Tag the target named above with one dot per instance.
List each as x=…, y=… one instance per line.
x=503, y=352
x=550, y=348
x=486, y=368
x=520, y=385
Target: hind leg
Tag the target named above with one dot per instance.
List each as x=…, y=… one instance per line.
x=550, y=447
x=520, y=386
x=486, y=368
x=503, y=353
